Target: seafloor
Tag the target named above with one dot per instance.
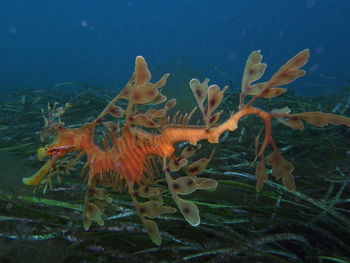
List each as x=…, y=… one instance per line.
x=311, y=224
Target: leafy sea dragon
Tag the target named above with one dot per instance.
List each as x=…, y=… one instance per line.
x=132, y=149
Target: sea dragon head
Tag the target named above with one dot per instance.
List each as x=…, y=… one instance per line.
x=53, y=153
x=63, y=142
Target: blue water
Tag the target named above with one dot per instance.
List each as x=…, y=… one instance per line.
x=46, y=42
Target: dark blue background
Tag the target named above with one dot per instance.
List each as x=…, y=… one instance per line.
x=43, y=43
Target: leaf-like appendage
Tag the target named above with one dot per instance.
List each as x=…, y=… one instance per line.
x=200, y=91
x=189, y=211
x=127, y=91
x=143, y=120
x=214, y=98
x=290, y=71
x=189, y=150
x=101, y=205
x=206, y=183
x=320, y=119
x=101, y=194
x=214, y=118
x=184, y=185
x=116, y=111
x=170, y=104
x=100, y=221
x=153, y=231
x=292, y=122
x=256, y=89
x=273, y=92
x=159, y=114
x=92, y=211
x=286, y=74
x=253, y=71
x=86, y=222
x=261, y=176
x=161, y=83
x=295, y=124
x=149, y=113
x=188, y=184
x=153, y=209
x=256, y=71
x=175, y=165
x=315, y=118
x=281, y=168
x=198, y=166
x=144, y=94
x=146, y=191
x=159, y=99
x=142, y=74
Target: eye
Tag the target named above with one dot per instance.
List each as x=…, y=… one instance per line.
x=51, y=151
